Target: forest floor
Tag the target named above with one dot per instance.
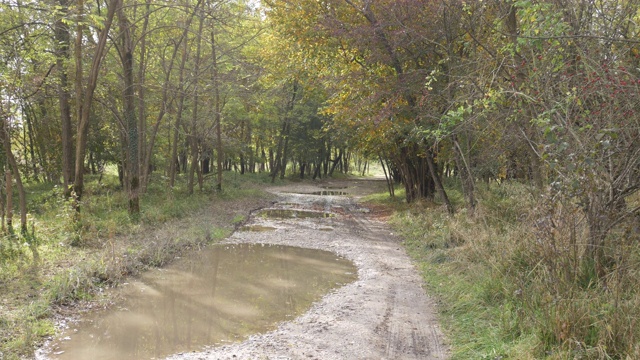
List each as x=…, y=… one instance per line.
x=385, y=314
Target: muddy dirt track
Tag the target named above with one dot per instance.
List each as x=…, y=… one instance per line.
x=385, y=314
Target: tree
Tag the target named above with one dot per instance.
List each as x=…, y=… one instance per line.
x=133, y=163
x=87, y=97
x=63, y=55
x=13, y=172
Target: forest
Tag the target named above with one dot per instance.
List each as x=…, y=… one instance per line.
x=519, y=118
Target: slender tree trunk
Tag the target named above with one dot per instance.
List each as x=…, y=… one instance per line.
x=77, y=52
x=438, y=182
x=142, y=108
x=133, y=164
x=275, y=164
x=175, y=164
x=326, y=160
x=265, y=161
x=13, y=172
x=199, y=174
x=252, y=154
x=303, y=167
x=3, y=209
x=87, y=99
x=285, y=149
x=218, y=115
x=279, y=165
x=9, y=186
x=63, y=39
x=387, y=176
x=336, y=161
x=193, y=142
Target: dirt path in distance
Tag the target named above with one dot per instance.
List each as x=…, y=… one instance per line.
x=385, y=314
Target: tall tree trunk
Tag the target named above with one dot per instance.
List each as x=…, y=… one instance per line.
x=387, y=176
x=142, y=108
x=79, y=78
x=279, y=165
x=63, y=39
x=438, y=183
x=3, y=207
x=9, y=183
x=133, y=164
x=175, y=164
x=303, y=167
x=217, y=107
x=275, y=164
x=193, y=141
x=252, y=154
x=336, y=161
x=326, y=160
x=285, y=149
x=87, y=99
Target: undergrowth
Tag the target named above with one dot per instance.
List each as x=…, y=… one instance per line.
x=69, y=256
x=513, y=281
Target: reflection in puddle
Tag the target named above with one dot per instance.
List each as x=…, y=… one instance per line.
x=292, y=214
x=221, y=294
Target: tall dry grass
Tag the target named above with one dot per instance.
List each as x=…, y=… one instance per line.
x=514, y=281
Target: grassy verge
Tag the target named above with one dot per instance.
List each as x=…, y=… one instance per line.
x=70, y=258
x=510, y=288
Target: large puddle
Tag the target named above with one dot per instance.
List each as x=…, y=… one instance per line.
x=221, y=294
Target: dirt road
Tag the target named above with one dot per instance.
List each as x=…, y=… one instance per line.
x=385, y=314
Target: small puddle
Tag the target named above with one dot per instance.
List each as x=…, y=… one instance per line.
x=329, y=193
x=219, y=295
x=292, y=214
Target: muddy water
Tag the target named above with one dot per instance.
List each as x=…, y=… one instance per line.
x=258, y=228
x=329, y=193
x=292, y=214
x=221, y=294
